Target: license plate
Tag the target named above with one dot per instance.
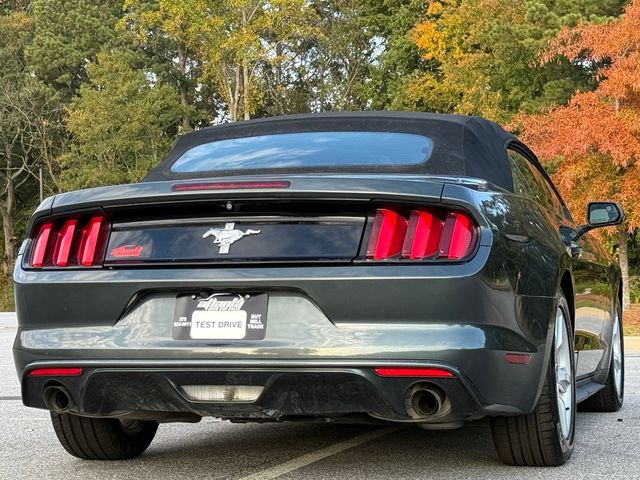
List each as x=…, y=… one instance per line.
x=221, y=316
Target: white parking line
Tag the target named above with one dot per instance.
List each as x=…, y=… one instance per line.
x=309, y=458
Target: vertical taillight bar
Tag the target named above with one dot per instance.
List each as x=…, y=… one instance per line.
x=423, y=236
x=64, y=243
x=89, y=241
x=462, y=236
x=40, y=246
x=387, y=234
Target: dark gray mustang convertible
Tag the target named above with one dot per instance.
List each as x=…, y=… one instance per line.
x=349, y=268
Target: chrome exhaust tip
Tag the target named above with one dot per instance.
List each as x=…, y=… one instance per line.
x=425, y=401
x=57, y=399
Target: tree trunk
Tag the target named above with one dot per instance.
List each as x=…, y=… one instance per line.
x=245, y=73
x=183, y=88
x=8, y=229
x=623, y=238
x=245, y=91
x=184, y=101
x=235, y=95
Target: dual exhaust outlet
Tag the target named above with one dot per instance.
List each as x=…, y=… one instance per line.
x=57, y=399
x=426, y=401
x=422, y=401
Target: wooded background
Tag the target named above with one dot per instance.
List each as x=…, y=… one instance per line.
x=94, y=92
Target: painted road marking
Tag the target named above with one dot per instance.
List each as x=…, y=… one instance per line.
x=312, y=457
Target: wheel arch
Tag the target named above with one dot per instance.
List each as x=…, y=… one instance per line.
x=620, y=292
x=566, y=285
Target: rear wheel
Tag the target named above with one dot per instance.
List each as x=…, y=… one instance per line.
x=544, y=437
x=610, y=398
x=102, y=438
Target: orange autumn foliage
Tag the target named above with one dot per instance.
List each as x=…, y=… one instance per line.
x=596, y=136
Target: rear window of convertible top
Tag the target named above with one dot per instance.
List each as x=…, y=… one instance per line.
x=307, y=150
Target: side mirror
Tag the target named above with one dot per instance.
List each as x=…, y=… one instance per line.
x=602, y=214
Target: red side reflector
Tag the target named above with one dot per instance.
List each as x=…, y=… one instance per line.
x=387, y=234
x=412, y=372
x=60, y=372
x=40, y=247
x=89, y=243
x=63, y=243
x=518, y=358
x=190, y=187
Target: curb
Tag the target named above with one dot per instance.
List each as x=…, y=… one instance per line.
x=8, y=320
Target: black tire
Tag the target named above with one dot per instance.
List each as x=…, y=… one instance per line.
x=102, y=438
x=608, y=399
x=536, y=439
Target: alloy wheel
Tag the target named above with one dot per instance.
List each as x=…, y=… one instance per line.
x=564, y=375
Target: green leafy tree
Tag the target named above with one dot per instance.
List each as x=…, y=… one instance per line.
x=232, y=40
x=398, y=61
x=487, y=52
x=122, y=121
x=67, y=35
x=30, y=128
x=162, y=35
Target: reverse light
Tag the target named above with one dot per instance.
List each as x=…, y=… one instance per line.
x=412, y=372
x=56, y=372
x=425, y=233
x=223, y=393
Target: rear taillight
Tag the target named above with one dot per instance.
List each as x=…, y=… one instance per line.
x=422, y=234
x=40, y=245
x=72, y=242
x=387, y=234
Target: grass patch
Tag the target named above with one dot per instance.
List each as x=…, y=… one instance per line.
x=7, y=302
x=631, y=321
x=631, y=330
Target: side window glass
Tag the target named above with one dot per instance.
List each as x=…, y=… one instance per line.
x=528, y=181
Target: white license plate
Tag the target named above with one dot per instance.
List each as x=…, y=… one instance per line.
x=207, y=325
x=220, y=316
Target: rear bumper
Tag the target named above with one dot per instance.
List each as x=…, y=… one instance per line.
x=337, y=394
x=327, y=327
x=486, y=385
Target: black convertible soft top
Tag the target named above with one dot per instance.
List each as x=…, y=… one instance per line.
x=462, y=145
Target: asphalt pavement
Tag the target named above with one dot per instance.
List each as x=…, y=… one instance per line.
x=607, y=446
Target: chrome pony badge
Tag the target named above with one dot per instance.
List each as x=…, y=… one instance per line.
x=227, y=235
